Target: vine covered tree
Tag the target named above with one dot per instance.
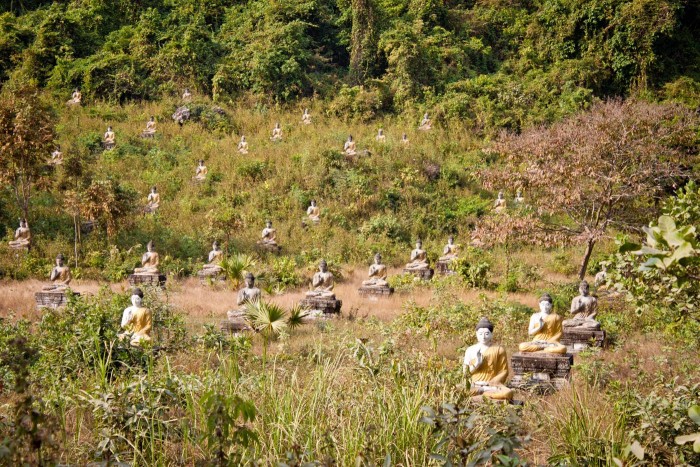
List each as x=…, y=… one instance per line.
x=26, y=139
x=598, y=170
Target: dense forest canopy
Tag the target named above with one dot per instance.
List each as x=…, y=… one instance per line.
x=491, y=63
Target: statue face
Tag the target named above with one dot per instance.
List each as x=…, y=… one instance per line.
x=450, y=240
x=584, y=289
x=377, y=259
x=419, y=245
x=59, y=262
x=268, y=224
x=545, y=307
x=484, y=336
x=323, y=267
x=136, y=300
x=149, y=247
x=249, y=282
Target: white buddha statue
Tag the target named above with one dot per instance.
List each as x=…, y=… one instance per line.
x=75, y=98
x=419, y=258
x=584, y=307
x=381, y=137
x=377, y=274
x=243, y=145
x=187, y=95
x=487, y=364
x=200, y=173
x=519, y=197
x=425, y=123
x=109, y=140
x=276, y=133
x=500, y=204
x=322, y=283
x=60, y=276
x=23, y=237
x=269, y=235
x=150, y=130
x=213, y=267
x=153, y=201
x=56, y=156
x=349, y=147
x=306, y=117
x=137, y=320
x=449, y=253
x=247, y=294
x=314, y=212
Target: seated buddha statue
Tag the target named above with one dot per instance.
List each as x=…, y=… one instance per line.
x=449, y=253
x=404, y=139
x=200, y=173
x=75, y=98
x=584, y=308
x=322, y=283
x=601, y=277
x=519, y=197
x=500, y=204
x=545, y=329
x=150, y=127
x=243, y=145
x=215, y=257
x=349, y=147
x=187, y=95
x=314, y=212
x=419, y=258
x=246, y=295
x=377, y=274
x=306, y=117
x=56, y=156
x=109, y=139
x=381, y=137
x=153, y=201
x=487, y=364
x=269, y=235
x=425, y=124
x=149, y=261
x=23, y=236
x=60, y=276
x=276, y=133
x=136, y=320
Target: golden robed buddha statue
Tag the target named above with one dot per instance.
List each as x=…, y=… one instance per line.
x=487, y=364
x=243, y=145
x=136, y=320
x=450, y=251
x=23, y=236
x=200, y=174
x=216, y=256
x=75, y=98
x=425, y=123
x=149, y=261
x=545, y=329
x=377, y=274
x=276, y=133
x=314, y=212
x=269, y=235
x=350, y=147
x=60, y=276
x=153, y=201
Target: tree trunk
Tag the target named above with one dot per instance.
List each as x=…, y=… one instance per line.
x=586, y=259
x=363, y=40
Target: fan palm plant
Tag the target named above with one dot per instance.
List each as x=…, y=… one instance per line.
x=266, y=318
x=236, y=266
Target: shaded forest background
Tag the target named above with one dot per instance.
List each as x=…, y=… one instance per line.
x=492, y=63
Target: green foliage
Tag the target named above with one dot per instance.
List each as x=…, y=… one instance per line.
x=473, y=273
x=227, y=435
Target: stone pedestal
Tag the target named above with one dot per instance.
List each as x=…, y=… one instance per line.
x=269, y=248
x=540, y=370
x=375, y=291
x=206, y=276
x=423, y=274
x=577, y=340
x=108, y=146
x=148, y=135
x=235, y=322
x=443, y=267
x=50, y=299
x=154, y=280
x=323, y=305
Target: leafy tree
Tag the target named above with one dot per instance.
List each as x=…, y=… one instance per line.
x=26, y=139
x=363, y=41
x=595, y=171
x=108, y=202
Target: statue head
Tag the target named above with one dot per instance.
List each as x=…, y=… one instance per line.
x=349, y=138
x=136, y=297
x=153, y=189
x=277, y=125
x=425, y=115
x=313, y=202
x=150, y=246
x=584, y=288
x=419, y=244
x=500, y=195
x=109, y=128
x=153, y=119
x=59, y=259
x=306, y=111
x=201, y=162
x=323, y=266
x=76, y=90
x=187, y=90
x=268, y=223
x=484, y=331
x=381, y=131
x=405, y=136
x=243, y=138
x=58, y=147
x=450, y=240
x=519, y=194
x=249, y=280
x=23, y=223
x=546, y=303
x=215, y=245
x=378, y=258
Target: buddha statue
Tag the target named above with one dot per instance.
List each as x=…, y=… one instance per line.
x=215, y=257
x=349, y=147
x=150, y=130
x=60, y=276
x=153, y=200
x=56, y=156
x=500, y=204
x=584, y=308
x=377, y=274
x=381, y=137
x=322, y=283
x=200, y=173
x=419, y=258
x=243, y=145
x=519, y=197
x=276, y=133
x=149, y=261
x=404, y=139
x=187, y=95
x=425, y=124
x=306, y=117
x=109, y=138
x=75, y=98
x=545, y=329
x=601, y=277
x=487, y=364
x=269, y=235
x=23, y=236
x=314, y=212
x=136, y=320
x=449, y=253
x=247, y=294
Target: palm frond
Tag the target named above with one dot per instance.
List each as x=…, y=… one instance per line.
x=236, y=266
x=266, y=318
x=297, y=316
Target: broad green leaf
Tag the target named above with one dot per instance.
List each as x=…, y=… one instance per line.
x=694, y=413
x=629, y=246
x=667, y=224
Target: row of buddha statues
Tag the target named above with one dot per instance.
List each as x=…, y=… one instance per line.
x=77, y=97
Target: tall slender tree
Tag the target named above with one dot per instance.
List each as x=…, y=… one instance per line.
x=363, y=40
